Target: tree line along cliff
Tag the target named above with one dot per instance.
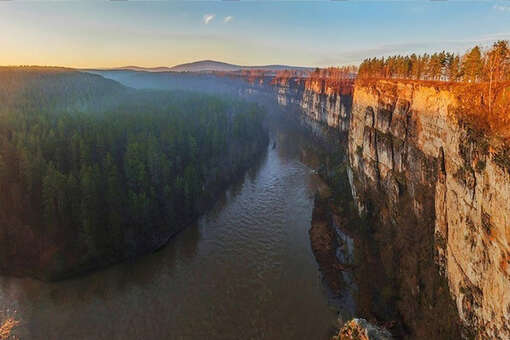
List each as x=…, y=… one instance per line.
x=476, y=65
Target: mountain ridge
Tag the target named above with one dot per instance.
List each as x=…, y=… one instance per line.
x=210, y=66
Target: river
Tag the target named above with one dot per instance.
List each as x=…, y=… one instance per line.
x=244, y=271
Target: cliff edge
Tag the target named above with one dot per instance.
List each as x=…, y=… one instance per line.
x=430, y=162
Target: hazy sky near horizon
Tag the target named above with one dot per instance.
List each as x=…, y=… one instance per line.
x=144, y=33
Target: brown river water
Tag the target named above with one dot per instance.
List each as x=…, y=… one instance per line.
x=244, y=271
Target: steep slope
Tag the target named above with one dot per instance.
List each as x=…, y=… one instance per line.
x=428, y=165
x=318, y=99
x=429, y=173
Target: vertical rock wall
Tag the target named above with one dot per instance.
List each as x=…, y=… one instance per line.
x=316, y=101
x=432, y=180
x=440, y=187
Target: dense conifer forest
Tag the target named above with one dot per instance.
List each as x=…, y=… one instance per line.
x=89, y=165
x=476, y=65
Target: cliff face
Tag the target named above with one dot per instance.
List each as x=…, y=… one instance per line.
x=316, y=100
x=429, y=173
x=439, y=187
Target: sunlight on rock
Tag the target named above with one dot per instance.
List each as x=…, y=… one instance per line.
x=7, y=327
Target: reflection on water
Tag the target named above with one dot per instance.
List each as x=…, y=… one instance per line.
x=245, y=271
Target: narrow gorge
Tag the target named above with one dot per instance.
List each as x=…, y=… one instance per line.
x=259, y=170
x=429, y=173
x=420, y=177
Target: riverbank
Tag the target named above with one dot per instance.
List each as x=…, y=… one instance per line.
x=244, y=270
x=337, y=245
x=324, y=243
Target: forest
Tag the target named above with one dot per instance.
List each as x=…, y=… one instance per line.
x=476, y=65
x=104, y=167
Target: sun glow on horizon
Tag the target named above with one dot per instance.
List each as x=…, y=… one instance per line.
x=164, y=34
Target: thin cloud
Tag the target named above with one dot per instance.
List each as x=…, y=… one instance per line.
x=355, y=56
x=228, y=19
x=501, y=8
x=208, y=18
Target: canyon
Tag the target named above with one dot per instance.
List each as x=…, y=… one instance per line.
x=428, y=169
x=419, y=174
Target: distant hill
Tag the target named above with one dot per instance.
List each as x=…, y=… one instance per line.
x=206, y=65
x=210, y=66
x=57, y=87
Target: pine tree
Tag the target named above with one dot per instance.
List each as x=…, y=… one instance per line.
x=472, y=65
x=498, y=61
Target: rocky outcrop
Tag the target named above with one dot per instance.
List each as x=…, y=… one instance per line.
x=429, y=165
x=361, y=329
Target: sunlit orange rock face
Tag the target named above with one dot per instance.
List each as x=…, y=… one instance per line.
x=331, y=81
x=430, y=170
x=321, y=96
x=431, y=161
x=360, y=329
x=6, y=328
x=329, y=85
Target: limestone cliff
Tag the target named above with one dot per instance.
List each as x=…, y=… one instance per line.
x=429, y=173
x=429, y=163
x=317, y=100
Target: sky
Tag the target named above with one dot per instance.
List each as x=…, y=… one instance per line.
x=91, y=33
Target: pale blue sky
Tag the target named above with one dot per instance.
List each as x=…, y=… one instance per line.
x=144, y=33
